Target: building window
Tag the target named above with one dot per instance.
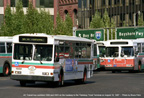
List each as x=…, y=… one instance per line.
x=123, y=2
x=25, y=3
x=110, y=2
x=131, y=2
x=45, y=3
x=103, y=2
x=116, y=1
x=1, y=3
x=12, y=3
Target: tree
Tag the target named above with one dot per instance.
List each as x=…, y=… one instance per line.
x=45, y=23
x=68, y=25
x=32, y=19
x=97, y=21
x=8, y=21
x=125, y=24
x=60, y=26
x=19, y=19
x=106, y=21
x=113, y=25
x=140, y=20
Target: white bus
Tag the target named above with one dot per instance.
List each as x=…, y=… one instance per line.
x=99, y=52
x=5, y=55
x=124, y=55
x=55, y=58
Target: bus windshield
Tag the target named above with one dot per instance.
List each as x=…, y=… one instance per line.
x=23, y=51
x=127, y=52
x=43, y=52
x=102, y=51
x=112, y=52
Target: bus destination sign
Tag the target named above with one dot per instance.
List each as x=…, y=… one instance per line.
x=33, y=39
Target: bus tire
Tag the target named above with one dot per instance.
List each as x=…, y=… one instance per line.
x=113, y=71
x=139, y=68
x=23, y=83
x=6, y=70
x=61, y=79
x=84, y=76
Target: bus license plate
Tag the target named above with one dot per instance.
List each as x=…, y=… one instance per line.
x=31, y=72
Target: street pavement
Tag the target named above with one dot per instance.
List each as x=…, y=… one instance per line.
x=103, y=84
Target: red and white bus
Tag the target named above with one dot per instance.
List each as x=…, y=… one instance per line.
x=124, y=55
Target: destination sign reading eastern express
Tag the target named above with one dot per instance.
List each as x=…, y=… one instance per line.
x=33, y=39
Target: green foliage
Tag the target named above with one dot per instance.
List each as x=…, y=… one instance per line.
x=140, y=20
x=97, y=21
x=60, y=26
x=18, y=19
x=68, y=25
x=45, y=23
x=106, y=19
x=34, y=21
x=125, y=24
x=8, y=20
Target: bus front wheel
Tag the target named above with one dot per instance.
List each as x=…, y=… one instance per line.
x=23, y=83
x=6, y=70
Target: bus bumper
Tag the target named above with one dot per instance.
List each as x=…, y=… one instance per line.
x=31, y=78
x=119, y=68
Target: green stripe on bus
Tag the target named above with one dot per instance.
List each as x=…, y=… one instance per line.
x=142, y=67
x=85, y=60
x=1, y=69
x=3, y=54
x=25, y=63
x=141, y=53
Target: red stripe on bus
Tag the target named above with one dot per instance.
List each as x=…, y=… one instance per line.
x=141, y=56
x=26, y=66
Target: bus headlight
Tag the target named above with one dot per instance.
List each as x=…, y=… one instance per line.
x=45, y=73
x=17, y=72
x=108, y=65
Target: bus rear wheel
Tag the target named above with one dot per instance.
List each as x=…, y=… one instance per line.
x=61, y=80
x=139, y=68
x=6, y=70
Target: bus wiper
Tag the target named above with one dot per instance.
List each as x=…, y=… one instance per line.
x=23, y=61
x=41, y=62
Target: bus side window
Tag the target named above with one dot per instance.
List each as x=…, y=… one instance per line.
x=2, y=47
x=56, y=54
x=142, y=47
x=95, y=50
x=139, y=47
x=88, y=52
x=9, y=47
